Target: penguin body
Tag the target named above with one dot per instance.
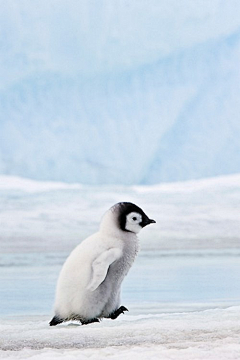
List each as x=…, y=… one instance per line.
x=89, y=283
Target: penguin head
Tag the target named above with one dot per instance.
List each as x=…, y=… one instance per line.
x=131, y=217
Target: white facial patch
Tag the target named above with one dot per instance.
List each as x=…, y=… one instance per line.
x=132, y=222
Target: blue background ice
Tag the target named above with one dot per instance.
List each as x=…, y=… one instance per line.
x=120, y=92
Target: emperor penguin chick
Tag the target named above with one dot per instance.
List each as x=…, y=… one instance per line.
x=89, y=283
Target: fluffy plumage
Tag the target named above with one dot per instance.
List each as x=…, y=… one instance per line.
x=89, y=283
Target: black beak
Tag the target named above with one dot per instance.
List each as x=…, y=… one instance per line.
x=147, y=221
x=151, y=221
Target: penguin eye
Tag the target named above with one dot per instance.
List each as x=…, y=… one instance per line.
x=134, y=218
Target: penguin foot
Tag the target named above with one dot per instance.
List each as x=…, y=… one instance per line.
x=118, y=312
x=55, y=321
x=86, y=322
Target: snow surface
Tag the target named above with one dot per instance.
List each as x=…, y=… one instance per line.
x=40, y=217
x=211, y=334
x=119, y=92
x=182, y=293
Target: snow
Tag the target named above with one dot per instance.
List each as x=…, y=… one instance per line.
x=200, y=214
x=154, y=83
x=182, y=292
x=210, y=334
x=31, y=186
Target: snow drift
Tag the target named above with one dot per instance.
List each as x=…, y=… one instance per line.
x=39, y=216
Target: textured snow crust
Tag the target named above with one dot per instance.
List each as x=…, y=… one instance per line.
x=211, y=334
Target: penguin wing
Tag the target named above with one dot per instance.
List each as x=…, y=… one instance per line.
x=100, y=267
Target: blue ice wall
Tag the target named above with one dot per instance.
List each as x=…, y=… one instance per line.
x=127, y=92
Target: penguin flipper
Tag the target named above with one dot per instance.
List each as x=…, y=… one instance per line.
x=55, y=321
x=100, y=267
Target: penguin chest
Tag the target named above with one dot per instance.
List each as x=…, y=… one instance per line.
x=119, y=269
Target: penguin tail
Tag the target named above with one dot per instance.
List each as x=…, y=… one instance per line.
x=55, y=321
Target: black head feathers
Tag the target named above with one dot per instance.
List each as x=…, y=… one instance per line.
x=126, y=208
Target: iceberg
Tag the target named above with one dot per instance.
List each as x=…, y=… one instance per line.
x=126, y=93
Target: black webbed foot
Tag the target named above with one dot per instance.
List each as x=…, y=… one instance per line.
x=118, y=312
x=55, y=321
x=86, y=322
